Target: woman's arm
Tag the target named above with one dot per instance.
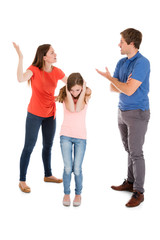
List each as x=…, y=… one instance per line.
x=21, y=77
x=64, y=79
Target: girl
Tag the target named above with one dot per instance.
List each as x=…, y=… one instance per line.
x=41, y=109
x=74, y=97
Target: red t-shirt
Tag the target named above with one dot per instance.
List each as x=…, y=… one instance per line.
x=42, y=102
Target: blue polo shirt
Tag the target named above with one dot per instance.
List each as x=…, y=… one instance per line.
x=139, y=66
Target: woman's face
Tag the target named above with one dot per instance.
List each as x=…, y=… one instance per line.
x=76, y=90
x=51, y=56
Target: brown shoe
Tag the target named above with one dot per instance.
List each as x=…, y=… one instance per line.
x=126, y=186
x=136, y=199
x=54, y=180
x=24, y=189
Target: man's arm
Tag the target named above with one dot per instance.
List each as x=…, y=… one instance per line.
x=127, y=88
x=113, y=88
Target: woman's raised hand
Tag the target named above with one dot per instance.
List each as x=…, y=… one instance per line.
x=21, y=77
x=17, y=50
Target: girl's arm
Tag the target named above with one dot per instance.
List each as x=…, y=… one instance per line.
x=69, y=103
x=88, y=94
x=80, y=102
x=21, y=77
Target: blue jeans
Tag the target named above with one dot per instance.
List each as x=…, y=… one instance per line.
x=73, y=150
x=33, y=124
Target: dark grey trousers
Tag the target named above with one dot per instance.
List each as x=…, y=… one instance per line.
x=133, y=126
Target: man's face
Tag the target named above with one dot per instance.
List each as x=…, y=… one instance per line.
x=125, y=48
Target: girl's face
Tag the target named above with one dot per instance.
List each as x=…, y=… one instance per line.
x=76, y=90
x=51, y=56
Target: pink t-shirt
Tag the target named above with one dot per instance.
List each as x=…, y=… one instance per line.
x=74, y=123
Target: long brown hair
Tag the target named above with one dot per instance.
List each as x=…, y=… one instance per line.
x=73, y=79
x=40, y=53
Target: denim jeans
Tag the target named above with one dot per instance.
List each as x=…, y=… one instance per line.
x=73, y=150
x=33, y=124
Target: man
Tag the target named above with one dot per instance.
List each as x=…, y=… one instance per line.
x=131, y=80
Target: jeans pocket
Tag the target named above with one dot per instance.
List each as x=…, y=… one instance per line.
x=145, y=115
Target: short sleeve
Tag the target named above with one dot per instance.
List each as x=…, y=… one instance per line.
x=116, y=72
x=32, y=68
x=59, y=73
x=141, y=69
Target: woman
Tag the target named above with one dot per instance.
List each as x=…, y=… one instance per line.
x=75, y=99
x=41, y=109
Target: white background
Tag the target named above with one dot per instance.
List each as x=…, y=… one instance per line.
x=85, y=36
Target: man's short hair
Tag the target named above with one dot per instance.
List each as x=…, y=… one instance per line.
x=132, y=35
